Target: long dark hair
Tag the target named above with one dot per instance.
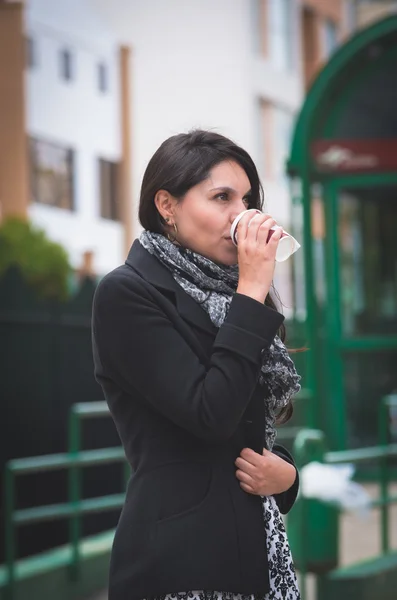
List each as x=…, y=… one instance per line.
x=185, y=160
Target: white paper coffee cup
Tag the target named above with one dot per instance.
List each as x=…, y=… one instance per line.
x=286, y=246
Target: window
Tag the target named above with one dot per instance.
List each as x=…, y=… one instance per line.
x=350, y=15
x=330, y=38
x=281, y=38
x=102, y=75
x=31, y=52
x=265, y=139
x=51, y=174
x=283, y=125
x=66, y=65
x=108, y=176
x=275, y=126
x=309, y=35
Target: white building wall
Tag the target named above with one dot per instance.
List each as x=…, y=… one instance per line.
x=283, y=90
x=189, y=69
x=76, y=114
x=197, y=64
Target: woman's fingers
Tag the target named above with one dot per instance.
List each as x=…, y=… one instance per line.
x=244, y=477
x=265, y=233
x=245, y=466
x=275, y=238
x=272, y=244
x=252, y=457
x=254, y=229
x=256, y=259
x=248, y=489
x=242, y=226
x=248, y=473
x=260, y=221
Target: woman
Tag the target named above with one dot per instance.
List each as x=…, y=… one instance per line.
x=186, y=352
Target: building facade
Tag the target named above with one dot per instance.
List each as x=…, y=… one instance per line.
x=235, y=66
x=69, y=129
x=89, y=119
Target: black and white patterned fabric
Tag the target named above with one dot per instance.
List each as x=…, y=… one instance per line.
x=282, y=575
x=212, y=286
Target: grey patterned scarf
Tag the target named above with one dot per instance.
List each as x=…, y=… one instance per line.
x=213, y=286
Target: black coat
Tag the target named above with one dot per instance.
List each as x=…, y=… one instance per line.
x=185, y=400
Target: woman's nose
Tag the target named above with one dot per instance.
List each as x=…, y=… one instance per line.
x=237, y=209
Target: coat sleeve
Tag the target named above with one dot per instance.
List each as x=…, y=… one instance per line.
x=286, y=500
x=140, y=350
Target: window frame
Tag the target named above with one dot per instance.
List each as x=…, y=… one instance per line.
x=102, y=77
x=328, y=48
x=288, y=35
x=34, y=143
x=31, y=54
x=66, y=65
x=109, y=194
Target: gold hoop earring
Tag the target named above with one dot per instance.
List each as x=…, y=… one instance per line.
x=173, y=239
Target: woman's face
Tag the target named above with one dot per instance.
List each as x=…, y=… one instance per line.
x=205, y=214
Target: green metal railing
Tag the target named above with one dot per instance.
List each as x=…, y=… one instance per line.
x=310, y=446
x=387, y=405
x=74, y=460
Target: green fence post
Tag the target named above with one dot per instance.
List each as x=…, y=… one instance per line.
x=384, y=474
x=74, y=492
x=10, y=542
x=312, y=525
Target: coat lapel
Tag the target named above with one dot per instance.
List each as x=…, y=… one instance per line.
x=151, y=269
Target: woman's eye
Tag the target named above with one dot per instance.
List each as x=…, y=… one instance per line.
x=246, y=201
x=221, y=196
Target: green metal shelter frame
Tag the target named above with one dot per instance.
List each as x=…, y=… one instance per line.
x=343, y=168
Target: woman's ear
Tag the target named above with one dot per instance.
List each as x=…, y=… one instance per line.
x=165, y=204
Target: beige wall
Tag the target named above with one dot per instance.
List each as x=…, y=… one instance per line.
x=311, y=44
x=13, y=145
x=327, y=9
x=264, y=23
x=268, y=135
x=313, y=15
x=369, y=13
x=125, y=187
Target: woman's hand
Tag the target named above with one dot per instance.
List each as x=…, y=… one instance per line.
x=264, y=474
x=256, y=255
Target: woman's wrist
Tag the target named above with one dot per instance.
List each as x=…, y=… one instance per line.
x=252, y=292
x=287, y=478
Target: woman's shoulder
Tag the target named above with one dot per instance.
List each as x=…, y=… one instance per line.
x=120, y=284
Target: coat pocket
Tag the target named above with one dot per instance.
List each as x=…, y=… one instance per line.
x=188, y=496
x=199, y=546
x=184, y=488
